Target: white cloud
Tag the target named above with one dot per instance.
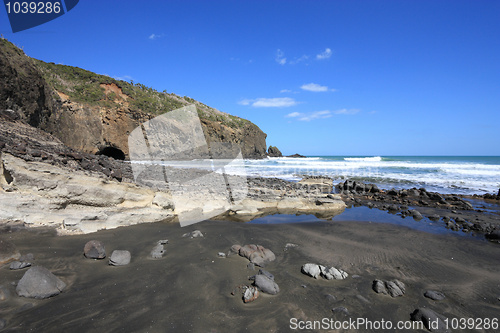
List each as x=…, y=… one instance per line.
x=293, y=115
x=316, y=115
x=324, y=55
x=155, y=36
x=245, y=102
x=297, y=60
x=277, y=102
x=280, y=57
x=314, y=87
x=347, y=111
x=320, y=114
x=285, y=91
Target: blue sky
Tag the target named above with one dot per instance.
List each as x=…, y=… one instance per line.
x=319, y=77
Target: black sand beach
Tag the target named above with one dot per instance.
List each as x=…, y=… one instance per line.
x=189, y=289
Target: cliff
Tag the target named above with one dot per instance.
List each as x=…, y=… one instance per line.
x=95, y=113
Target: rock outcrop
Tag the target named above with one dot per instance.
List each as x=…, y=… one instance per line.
x=101, y=112
x=273, y=151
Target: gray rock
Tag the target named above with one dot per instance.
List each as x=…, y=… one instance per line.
x=289, y=246
x=193, y=234
x=332, y=273
x=94, y=249
x=394, y=288
x=250, y=294
x=341, y=310
x=312, y=270
x=120, y=258
x=266, y=273
x=433, y=321
x=221, y=255
x=39, y=282
x=416, y=214
x=19, y=265
x=158, y=251
x=379, y=287
x=266, y=285
x=257, y=254
x=434, y=295
x=494, y=235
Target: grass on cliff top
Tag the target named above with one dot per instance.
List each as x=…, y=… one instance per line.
x=84, y=86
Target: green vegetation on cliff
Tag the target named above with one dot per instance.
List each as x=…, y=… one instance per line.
x=85, y=87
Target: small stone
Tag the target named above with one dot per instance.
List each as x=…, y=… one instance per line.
x=120, y=258
x=251, y=294
x=289, y=246
x=434, y=295
x=416, y=214
x=193, y=234
x=19, y=265
x=221, y=255
x=94, y=249
x=341, y=310
x=158, y=251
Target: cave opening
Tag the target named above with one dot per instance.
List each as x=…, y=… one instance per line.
x=113, y=152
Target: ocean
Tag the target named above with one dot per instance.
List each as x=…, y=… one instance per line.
x=444, y=174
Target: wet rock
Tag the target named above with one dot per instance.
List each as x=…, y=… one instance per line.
x=250, y=294
x=120, y=258
x=434, y=217
x=494, y=236
x=433, y=321
x=19, y=265
x=266, y=285
x=257, y=254
x=94, y=249
x=394, y=288
x=39, y=282
x=459, y=220
x=416, y=215
x=434, y=295
x=193, y=234
x=8, y=252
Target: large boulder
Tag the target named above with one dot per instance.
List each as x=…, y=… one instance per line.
x=257, y=254
x=39, y=282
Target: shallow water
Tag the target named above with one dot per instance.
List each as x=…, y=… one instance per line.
x=365, y=214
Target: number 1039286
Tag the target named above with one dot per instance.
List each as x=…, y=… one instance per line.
x=33, y=7
x=471, y=323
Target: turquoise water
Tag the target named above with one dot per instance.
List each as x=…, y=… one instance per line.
x=445, y=174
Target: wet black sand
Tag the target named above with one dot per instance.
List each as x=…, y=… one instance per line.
x=189, y=290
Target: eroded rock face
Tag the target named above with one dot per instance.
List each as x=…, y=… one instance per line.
x=39, y=282
x=93, y=128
